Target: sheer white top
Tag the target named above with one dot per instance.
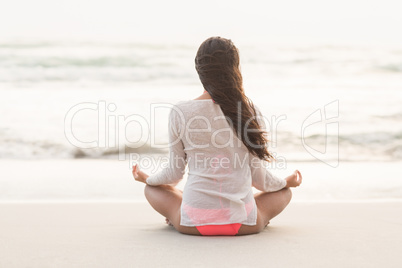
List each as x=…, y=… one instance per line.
x=221, y=171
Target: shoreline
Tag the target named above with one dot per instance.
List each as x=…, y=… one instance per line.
x=111, y=181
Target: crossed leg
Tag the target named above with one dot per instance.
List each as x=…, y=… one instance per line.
x=269, y=205
x=166, y=200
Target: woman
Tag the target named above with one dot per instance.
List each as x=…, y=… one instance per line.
x=221, y=137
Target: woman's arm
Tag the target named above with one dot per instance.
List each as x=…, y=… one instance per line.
x=174, y=171
x=262, y=179
x=265, y=181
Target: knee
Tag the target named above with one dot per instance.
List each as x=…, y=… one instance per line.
x=180, y=229
x=287, y=194
x=147, y=191
x=260, y=228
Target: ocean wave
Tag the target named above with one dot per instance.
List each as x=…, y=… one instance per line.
x=98, y=61
x=396, y=116
x=27, y=45
x=395, y=68
x=365, y=138
x=37, y=63
x=82, y=54
x=372, y=138
x=358, y=146
x=377, y=145
x=97, y=153
x=19, y=148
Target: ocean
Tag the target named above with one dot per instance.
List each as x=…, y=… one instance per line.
x=295, y=87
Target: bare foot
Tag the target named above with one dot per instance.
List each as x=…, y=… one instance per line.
x=168, y=222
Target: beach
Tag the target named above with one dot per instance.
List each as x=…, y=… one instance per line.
x=86, y=92
x=101, y=180
x=91, y=213
x=133, y=235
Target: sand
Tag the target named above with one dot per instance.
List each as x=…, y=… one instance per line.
x=357, y=234
x=90, y=213
x=111, y=180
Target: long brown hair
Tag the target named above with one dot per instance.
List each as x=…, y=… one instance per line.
x=217, y=63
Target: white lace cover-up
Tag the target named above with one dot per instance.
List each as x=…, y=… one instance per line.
x=221, y=171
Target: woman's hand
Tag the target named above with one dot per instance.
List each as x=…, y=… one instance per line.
x=139, y=175
x=294, y=180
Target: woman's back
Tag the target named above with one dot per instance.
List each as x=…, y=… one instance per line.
x=219, y=182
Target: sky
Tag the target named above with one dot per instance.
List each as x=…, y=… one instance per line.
x=180, y=20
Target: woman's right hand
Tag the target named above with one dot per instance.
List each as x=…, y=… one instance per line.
x=139, y=175
x=294, y=180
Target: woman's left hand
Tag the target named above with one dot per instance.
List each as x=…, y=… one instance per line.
x=139, y=175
